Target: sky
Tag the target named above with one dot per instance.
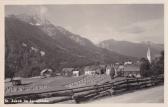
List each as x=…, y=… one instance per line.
x=98, y=22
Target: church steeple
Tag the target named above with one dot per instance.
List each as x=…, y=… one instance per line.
x=149, y=55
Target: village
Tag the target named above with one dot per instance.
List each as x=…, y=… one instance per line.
x=127, y=69
x=111, y=71
x=118, y=69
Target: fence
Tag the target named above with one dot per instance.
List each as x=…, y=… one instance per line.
x=88, y=92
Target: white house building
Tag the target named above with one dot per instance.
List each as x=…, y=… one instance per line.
x=75, y=73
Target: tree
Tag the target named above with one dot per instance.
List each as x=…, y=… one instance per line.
x=157, y=66
x=9, y=73
x=112, y=72
x=145, y=67
x=12, y=63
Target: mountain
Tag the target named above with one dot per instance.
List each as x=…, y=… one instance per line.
x=132, y=49
x=32, y=44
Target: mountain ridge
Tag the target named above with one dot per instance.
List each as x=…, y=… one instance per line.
x=33, y=47
x=132, y=49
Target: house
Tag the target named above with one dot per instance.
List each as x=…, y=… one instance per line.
x=67, y=71
x=128, y=63
x=92, y=70
x=117, y=63
x=88, y=70
x=16, y=81
x=57, y=74
x=119, y=70
x=46, y=73
x=131, y=70
x=75, y=73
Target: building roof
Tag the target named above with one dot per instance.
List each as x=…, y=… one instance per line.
x=91, y=68
x=119, y=67
x=75, y=71
x=45, y=71
x=102, y=66
x=131, y=68
x=67, y=69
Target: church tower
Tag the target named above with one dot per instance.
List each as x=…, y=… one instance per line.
x=149, y=55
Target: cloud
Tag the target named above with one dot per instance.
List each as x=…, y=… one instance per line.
x=102, y=22
x=152, y=30
x=40, y=10
x=43, y=10
x=133, y=29
x=149, y=30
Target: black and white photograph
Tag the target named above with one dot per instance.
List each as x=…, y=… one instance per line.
x=84, y=53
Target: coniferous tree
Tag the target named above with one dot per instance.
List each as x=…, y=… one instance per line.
x=145, y=67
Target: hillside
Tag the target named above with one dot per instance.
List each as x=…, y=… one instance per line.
x=31, y=45
x=131, y=49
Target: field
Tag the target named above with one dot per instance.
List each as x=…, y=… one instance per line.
x=56, y=90
x=33, y=85
x=37, y=85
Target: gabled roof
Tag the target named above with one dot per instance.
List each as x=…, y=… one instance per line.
x=45, y=71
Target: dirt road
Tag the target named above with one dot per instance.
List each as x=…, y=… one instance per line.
x=150, y=95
